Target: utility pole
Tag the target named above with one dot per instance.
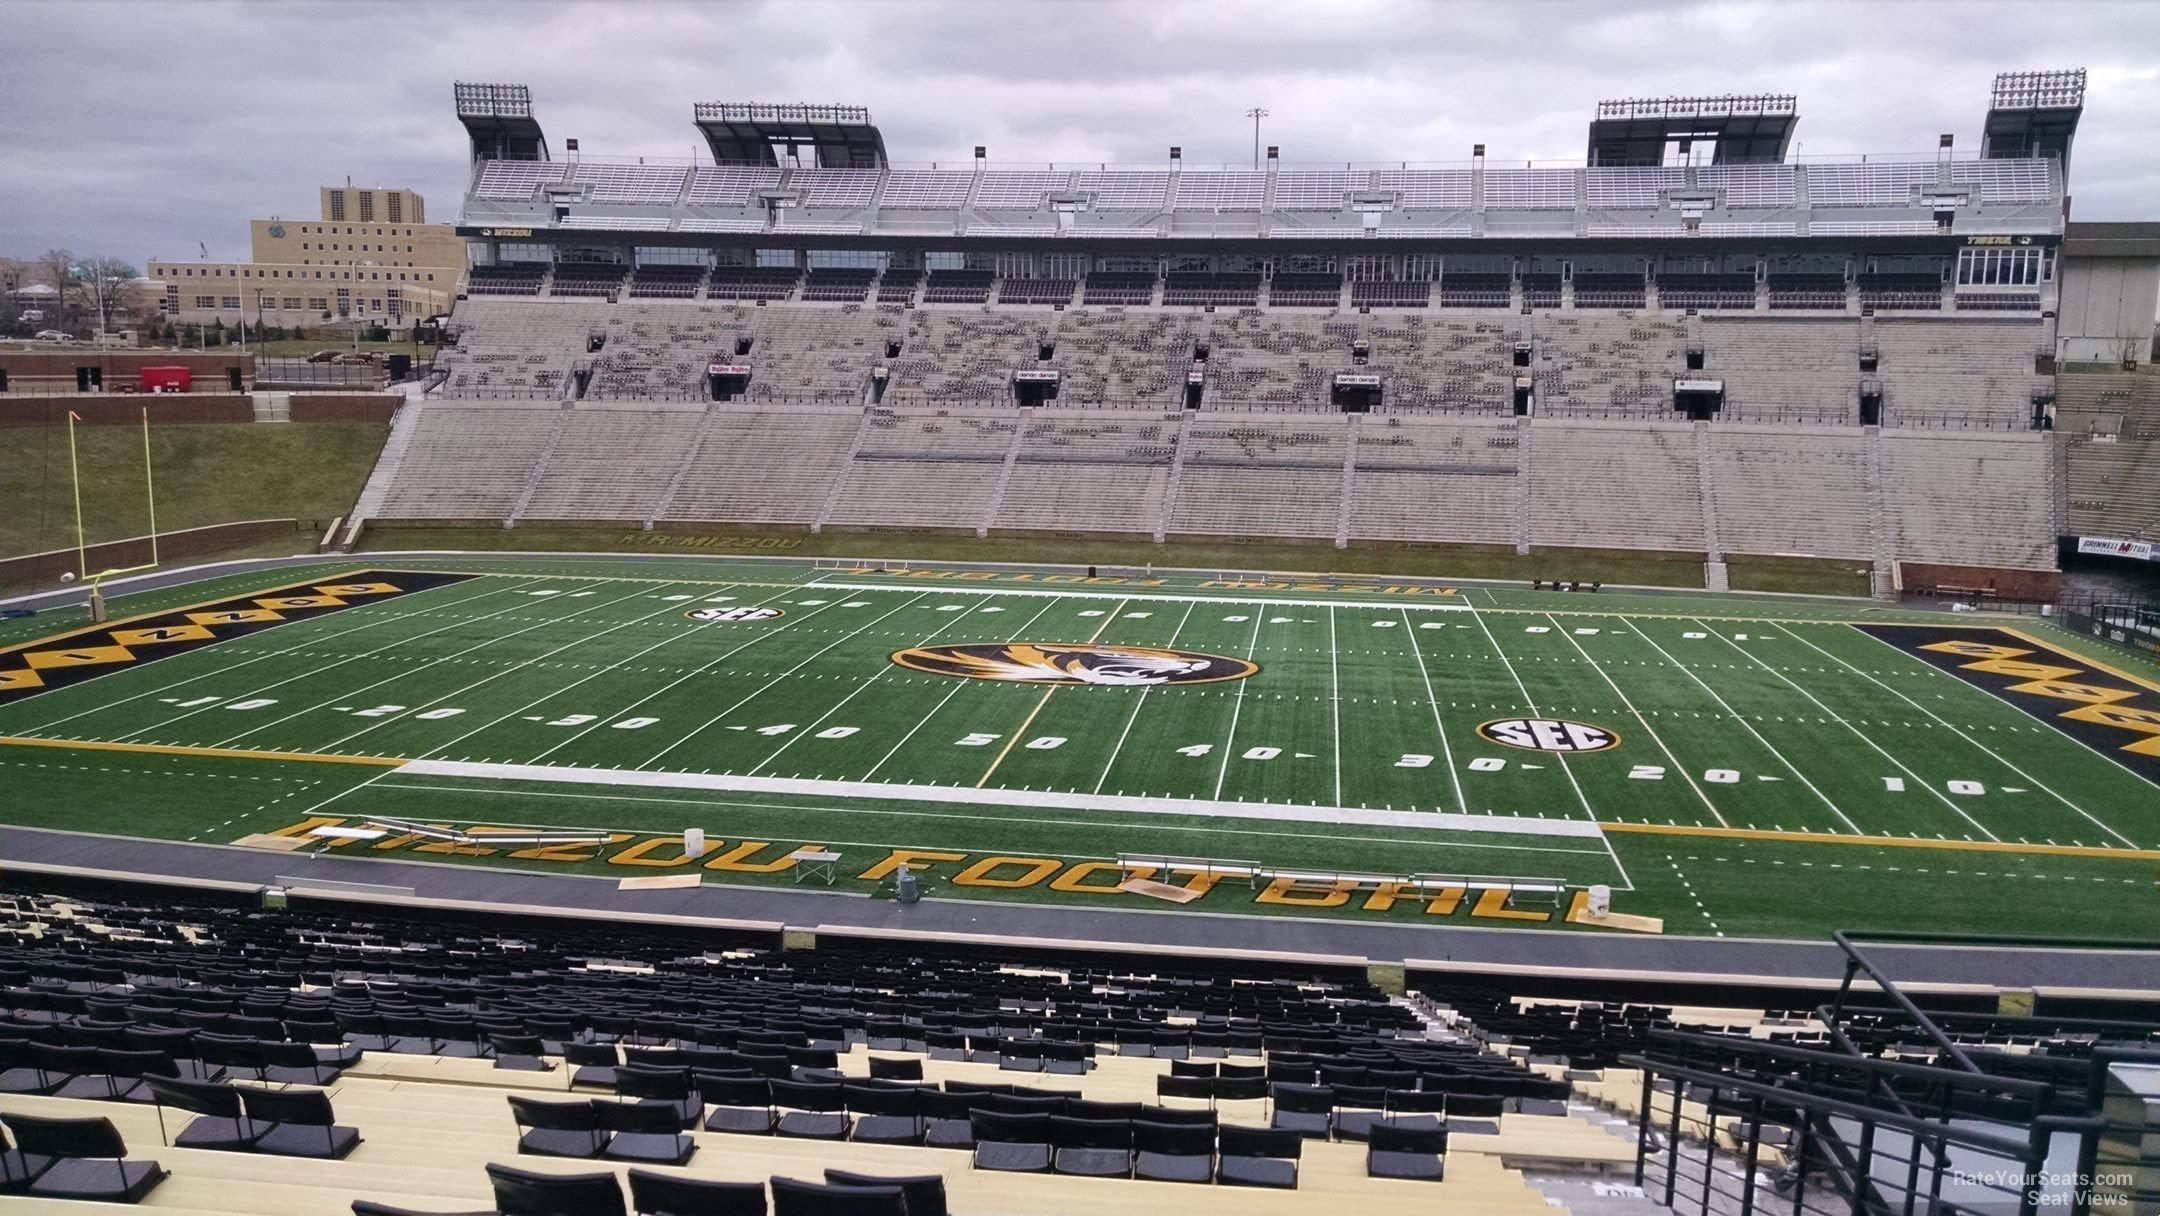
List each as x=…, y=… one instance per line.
x=1256, y=114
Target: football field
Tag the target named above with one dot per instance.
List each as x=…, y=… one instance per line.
x=1365, y=750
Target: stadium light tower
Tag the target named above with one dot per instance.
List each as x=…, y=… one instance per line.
x=1256, y=114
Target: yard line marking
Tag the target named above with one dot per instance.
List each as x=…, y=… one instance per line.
x=347, y=693
x=701, y=669
x=673, y=637
x=1505, y=825
x=1999, y=757
x=699, y=729
x=863, y=685
x=997, y=819
x=1565, y=768
x=312, y=641
x=1138, y=703
x=1153, y=594
x=1335, y=700
x=351, y=789
x=1891, y=842
x=1447, y=751
x=1237, y=705
x=514, y=668
x=935, y=710
x=164, y=749
x=1749, y=728
x=385, y=647
x=1030, y=719
x=1640, y=719
x=1859, y=734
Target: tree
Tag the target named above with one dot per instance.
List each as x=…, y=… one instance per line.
x=58, y=266
x=109, y=287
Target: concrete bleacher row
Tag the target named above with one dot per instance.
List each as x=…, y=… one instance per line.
x=1957, y=498
x=2109, y=428
x=1958, y=373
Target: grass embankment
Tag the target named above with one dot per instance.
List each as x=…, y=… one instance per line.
x=208, y=473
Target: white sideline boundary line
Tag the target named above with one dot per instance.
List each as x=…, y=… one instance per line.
x=806, y=787
x=971, y=587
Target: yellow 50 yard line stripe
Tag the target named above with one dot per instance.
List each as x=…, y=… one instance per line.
x=1030, y=719
x=233, y=753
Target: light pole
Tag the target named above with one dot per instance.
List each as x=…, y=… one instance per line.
x=1256, y=114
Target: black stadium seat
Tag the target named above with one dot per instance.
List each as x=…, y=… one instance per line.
x=82, y=1159
x=1258, y=1156
x=656, y=1194
x=219, y=1121
x=795, y=1198
x=925, y=1193
x=557, y=1129
x=649, y=1133
x=1396, y=1150
x=1173, y=1152
x=529, y=1193
x=297, y=1123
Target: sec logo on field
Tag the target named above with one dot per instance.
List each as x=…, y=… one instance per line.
x=713, y=616
x=1548, y=735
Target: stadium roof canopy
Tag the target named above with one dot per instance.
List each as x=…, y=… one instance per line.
x=2034, y=114
x=1743, y=129
x=500, y=120
x=756, y=133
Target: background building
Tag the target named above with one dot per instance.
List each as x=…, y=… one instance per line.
x=371, y=256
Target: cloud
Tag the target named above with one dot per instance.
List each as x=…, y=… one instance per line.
x=147, y=128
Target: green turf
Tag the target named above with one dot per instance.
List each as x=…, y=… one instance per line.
x=1625, y=567
x=207, y=473
x=1745, y=715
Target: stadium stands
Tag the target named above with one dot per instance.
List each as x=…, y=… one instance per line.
x=1602, y=366
x=1419, y=477
x=753, y=466
x=1615, y=485
x=610, y=464
x=2109, y=428
x=1959, y=373
x=1805, y=370
x=1758, y=473
x=2014, y=475
x=932, y=470
x=1257, y=358
x=1237, y=479
x=1089, y=472
x=1066, y=1067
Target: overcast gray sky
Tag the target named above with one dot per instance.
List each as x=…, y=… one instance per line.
x=143, y=129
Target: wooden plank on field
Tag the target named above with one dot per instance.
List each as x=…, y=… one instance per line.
x=657, y=882
x=1158, y=890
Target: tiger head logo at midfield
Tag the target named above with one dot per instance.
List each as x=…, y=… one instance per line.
x=1074, y=663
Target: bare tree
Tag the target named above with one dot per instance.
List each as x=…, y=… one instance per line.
x=108, y=287
x=58, y=266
